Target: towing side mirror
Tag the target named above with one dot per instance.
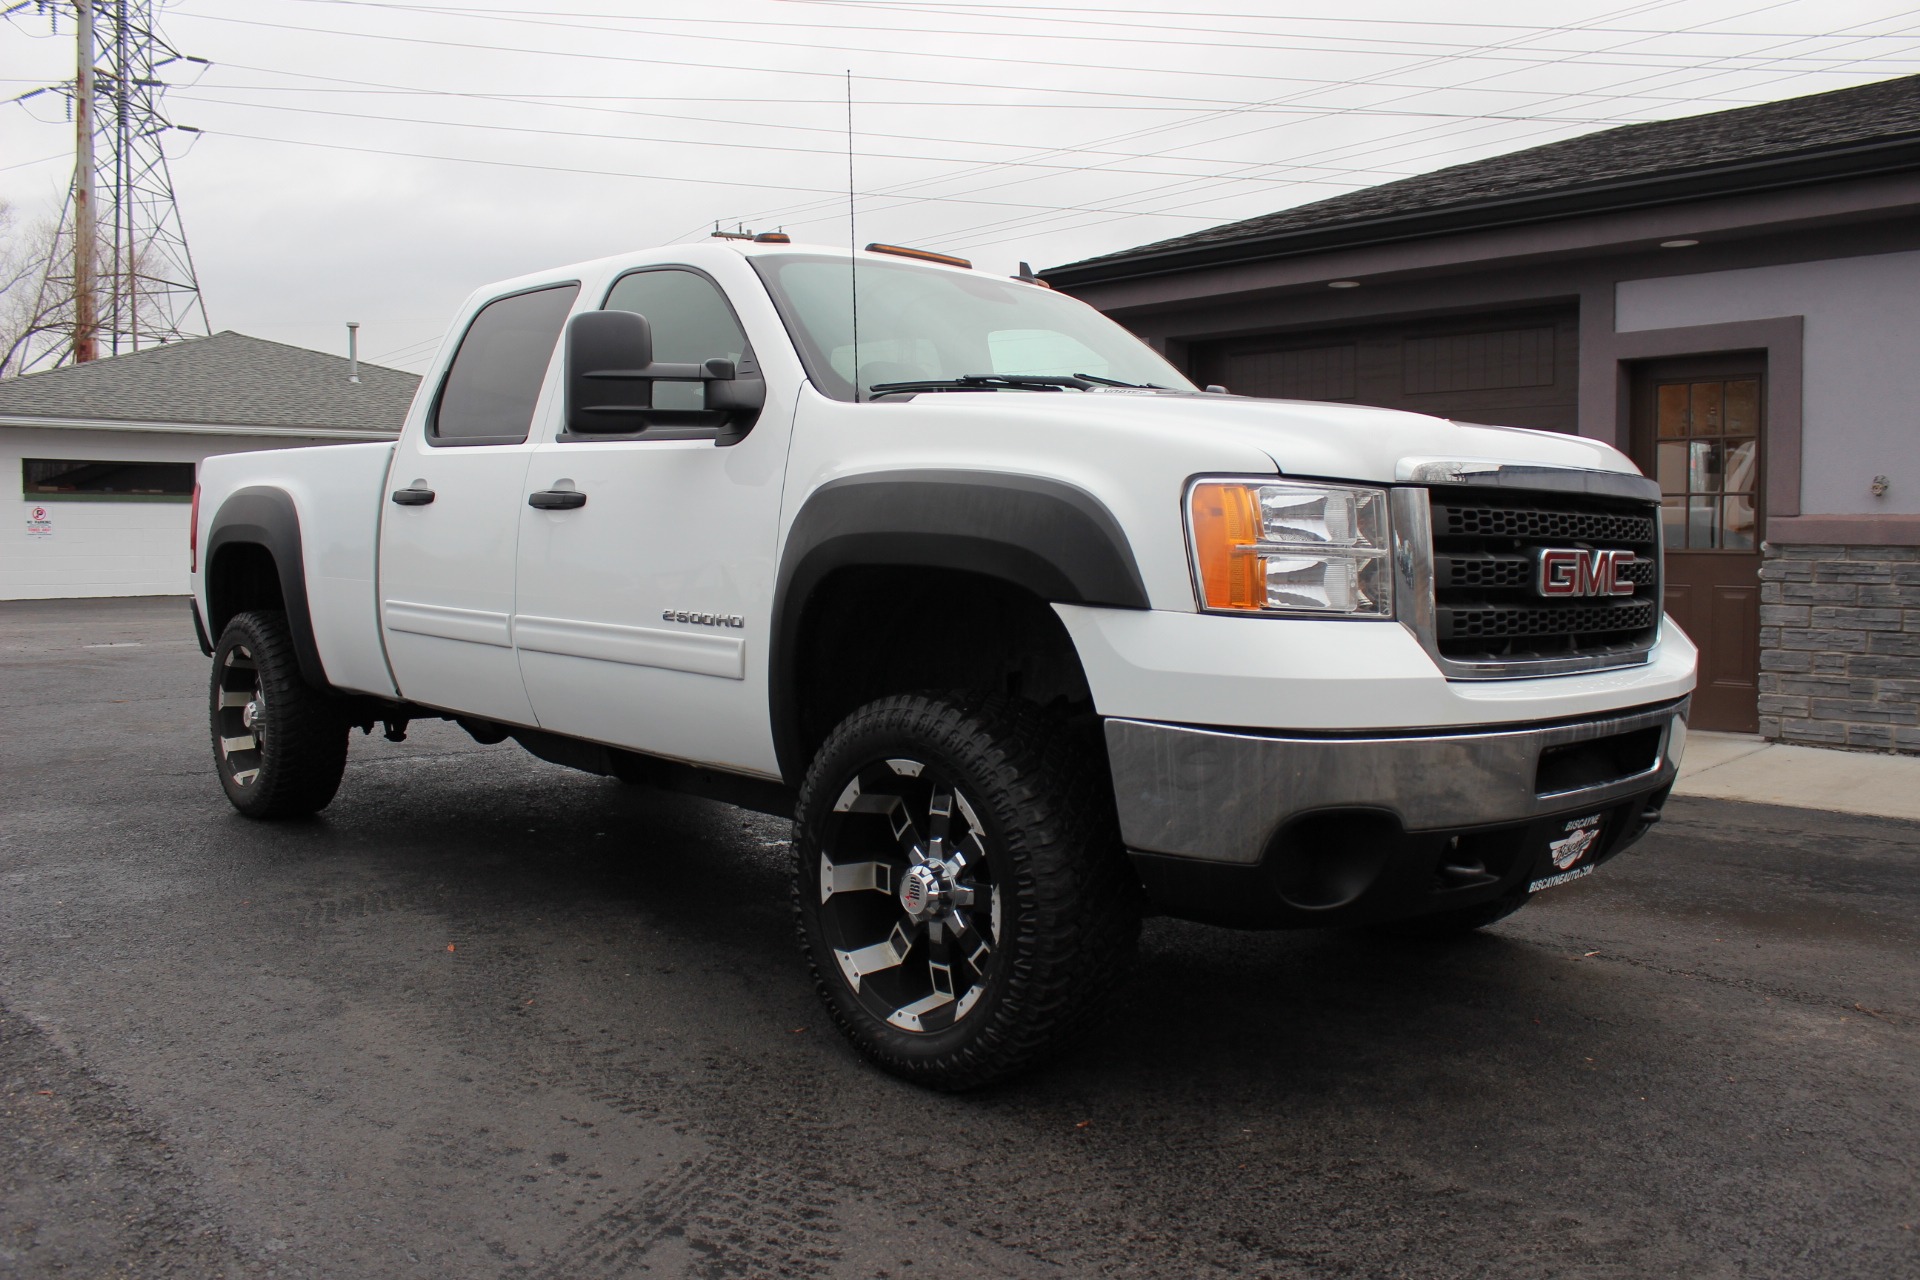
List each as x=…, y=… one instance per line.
x=610, y=375
x=609, y=358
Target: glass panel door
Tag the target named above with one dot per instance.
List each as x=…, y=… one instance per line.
x=1707, y=460
x=1698, y=424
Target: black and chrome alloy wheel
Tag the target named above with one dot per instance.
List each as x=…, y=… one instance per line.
x=279, y=743
x=908, y=898
x=239, y=716
x=960, y=886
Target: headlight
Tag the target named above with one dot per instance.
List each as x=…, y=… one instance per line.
x=1291, y=547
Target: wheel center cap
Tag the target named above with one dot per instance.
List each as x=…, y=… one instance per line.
x=921, y=892
x=253, y=715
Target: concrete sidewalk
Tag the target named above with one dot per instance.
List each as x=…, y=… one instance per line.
x=1739, y=766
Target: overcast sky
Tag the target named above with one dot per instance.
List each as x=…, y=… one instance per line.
x=375, y=161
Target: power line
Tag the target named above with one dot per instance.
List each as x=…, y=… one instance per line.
x=28, y=164
x=756, y=146
x=1226, y=114
x=618, y=173
x=682, y=64
x=1373, y=149
x=1159, y=38
x=531, y=101
x=568, y=26
x=1192, y=185
x=709, y=119
x=1029, y=223
x=1024, y=12
x=412, y=351
x=564, y=101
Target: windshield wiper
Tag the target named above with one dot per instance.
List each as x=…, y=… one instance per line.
x=988, y=382
x=1115, y=382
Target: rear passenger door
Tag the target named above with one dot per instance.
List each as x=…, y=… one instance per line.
x=448, y=538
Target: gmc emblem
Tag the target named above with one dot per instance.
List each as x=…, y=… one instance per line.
x=1559, y=572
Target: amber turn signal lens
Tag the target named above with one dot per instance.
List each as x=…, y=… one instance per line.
x=1226, y=525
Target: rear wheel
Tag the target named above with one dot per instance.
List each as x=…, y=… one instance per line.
x=961, y=889
x=278, y=743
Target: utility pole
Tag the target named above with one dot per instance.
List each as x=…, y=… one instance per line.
x=124, y=291
x=120, y=276
x=86, y=320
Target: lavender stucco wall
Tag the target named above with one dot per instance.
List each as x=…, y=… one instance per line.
x=1861, y=396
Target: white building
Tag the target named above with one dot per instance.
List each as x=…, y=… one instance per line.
x=102, y=456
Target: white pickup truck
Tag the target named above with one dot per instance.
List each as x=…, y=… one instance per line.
x=1027, y=633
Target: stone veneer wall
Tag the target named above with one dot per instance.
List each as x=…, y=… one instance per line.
x=1840, y=646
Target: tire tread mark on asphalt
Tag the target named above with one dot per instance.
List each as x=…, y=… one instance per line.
x=354, y=906
x=1809, y=999
x=739, y=1212
x=77, y=1151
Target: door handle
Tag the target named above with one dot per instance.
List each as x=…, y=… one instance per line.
x=557, y=499
x=413, y=497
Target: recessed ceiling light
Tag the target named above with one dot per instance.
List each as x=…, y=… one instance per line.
x=1343, y=284
x=1678, y=244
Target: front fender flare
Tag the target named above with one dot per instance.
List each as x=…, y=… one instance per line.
x=1052, y=539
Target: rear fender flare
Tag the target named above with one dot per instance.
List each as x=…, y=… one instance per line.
x=266, y=517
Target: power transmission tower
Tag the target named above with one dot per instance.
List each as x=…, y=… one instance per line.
x=119, y=275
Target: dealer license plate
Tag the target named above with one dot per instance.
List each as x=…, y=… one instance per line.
x=1567, y=850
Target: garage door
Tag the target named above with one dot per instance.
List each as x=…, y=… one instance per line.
x=1512, y=369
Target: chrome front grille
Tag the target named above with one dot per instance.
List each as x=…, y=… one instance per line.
x=1466, y=558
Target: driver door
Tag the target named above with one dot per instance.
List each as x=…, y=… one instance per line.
x=642, y=615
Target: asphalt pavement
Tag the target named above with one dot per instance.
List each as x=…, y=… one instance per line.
x=488, y=1017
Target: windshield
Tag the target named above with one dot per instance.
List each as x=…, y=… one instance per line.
x=918, y=324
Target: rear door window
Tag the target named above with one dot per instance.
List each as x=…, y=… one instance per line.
x=494, y=382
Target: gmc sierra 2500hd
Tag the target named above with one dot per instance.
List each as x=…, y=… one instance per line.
x=1028, y=634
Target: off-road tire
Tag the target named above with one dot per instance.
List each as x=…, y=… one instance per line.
x=294, y=765
x=1453, y=924
x=1068, y=917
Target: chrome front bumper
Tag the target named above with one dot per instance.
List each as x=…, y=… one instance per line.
x=1222, y=796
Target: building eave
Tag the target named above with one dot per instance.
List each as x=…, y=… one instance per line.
x=1859, y=160
x=340, y=434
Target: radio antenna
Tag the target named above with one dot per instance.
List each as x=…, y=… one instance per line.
x=853, y=245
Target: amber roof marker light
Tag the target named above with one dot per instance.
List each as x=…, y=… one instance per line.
x=924, y=255
x=752, y=237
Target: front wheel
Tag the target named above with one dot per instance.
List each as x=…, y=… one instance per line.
x=278, y=744
x=961, y=889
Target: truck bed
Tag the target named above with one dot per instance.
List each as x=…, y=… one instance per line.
x=338, y=492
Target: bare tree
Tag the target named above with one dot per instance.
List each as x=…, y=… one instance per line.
x=30, y=314
x=36, y=297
